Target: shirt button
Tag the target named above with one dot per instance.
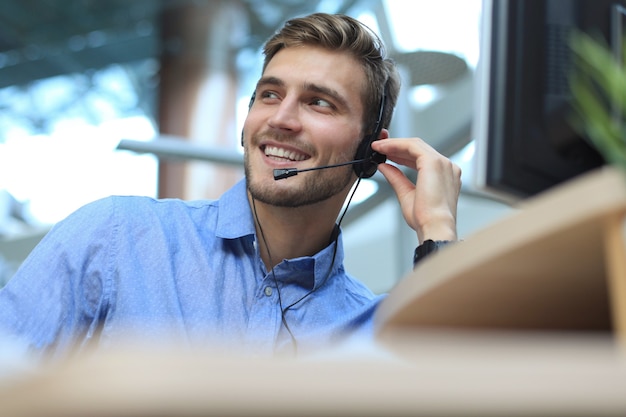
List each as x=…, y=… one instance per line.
x=268, y=291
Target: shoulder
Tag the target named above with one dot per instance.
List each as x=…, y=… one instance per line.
x=130, y=206
x=356, y=292
x=104, y=216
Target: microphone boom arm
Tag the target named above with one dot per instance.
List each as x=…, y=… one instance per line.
x=280, y=174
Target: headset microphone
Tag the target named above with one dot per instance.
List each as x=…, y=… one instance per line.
x=280, y=174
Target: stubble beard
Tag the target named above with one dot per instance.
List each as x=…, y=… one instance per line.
x=316, y=186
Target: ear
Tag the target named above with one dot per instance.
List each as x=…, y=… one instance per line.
x=384, y=134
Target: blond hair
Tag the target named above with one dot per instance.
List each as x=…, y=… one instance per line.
x=345, y=34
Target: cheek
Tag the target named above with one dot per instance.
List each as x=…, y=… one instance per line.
x=252, y=122
x=343, y=140
x=248, y=127
x=350, y=148
x=343, y=154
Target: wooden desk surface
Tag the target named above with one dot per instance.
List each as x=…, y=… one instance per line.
x=543, y=267
x=447, y=374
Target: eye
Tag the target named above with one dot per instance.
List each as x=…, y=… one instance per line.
x=320, y=102
x=269, y=95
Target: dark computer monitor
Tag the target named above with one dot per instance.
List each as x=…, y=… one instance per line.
x=525, y=142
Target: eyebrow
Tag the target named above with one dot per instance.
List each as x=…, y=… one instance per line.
x=263, y=81
x=316, y=88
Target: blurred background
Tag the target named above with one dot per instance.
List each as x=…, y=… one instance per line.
x=147, y=97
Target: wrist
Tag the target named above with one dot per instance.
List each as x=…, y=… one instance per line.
x=437, y=232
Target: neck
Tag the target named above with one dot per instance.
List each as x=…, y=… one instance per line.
x=292, y=232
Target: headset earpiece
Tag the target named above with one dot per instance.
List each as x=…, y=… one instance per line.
x=364, y=151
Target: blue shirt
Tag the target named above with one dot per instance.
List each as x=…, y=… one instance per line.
x=125, y=268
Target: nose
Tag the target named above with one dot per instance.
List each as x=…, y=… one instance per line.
x=286, y=116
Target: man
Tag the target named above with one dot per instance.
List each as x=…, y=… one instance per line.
x=260, y=270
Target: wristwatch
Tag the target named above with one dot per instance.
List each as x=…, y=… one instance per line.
x=427, y=247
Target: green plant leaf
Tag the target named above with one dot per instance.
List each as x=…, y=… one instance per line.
x=598, y=86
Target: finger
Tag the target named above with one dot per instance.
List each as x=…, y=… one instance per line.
x=409, y=163
x=398, y=146
x=400, y=184
x=403, y=151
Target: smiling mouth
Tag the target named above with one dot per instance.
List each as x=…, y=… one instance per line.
x=281, y=154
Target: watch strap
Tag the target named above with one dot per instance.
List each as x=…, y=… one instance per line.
x=427, y=247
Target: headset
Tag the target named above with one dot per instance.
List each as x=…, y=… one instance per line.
x=371, y=158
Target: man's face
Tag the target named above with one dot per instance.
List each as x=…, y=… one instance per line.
x=307, y=113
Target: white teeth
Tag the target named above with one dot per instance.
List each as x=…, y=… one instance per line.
x=283, y=153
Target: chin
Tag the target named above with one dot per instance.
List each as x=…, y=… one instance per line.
x=306, y=189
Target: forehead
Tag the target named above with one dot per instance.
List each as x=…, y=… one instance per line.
x=335, y=70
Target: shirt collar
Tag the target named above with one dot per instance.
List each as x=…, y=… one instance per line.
x=235, y=220
x=235, y=217
x=312, y=271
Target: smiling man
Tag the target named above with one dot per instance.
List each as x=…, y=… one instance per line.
x=261, y=269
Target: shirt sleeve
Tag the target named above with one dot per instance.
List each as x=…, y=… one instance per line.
x=58, y=296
